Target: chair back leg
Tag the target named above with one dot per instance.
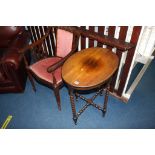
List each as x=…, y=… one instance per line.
x=57, y=96
x=31, y=80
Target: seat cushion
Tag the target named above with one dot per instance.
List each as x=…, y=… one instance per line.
x=40, y=69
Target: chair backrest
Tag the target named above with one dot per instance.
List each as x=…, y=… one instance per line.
x=64, y=41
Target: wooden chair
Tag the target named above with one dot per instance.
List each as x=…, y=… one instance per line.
x=48, y=69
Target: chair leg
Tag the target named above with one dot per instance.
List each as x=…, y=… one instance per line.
x=31, y=80
x=57, y=96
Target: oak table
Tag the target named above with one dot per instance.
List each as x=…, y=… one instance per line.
x=89, y=69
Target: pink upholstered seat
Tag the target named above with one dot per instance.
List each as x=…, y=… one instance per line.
x=62, y=43
x=64, y=46
x=40, y=69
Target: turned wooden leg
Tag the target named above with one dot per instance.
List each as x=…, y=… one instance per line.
x=102, y=92
x=76, y=96
x=105, y=101
x=31, y=80
x=73, y=105
x=57, y=96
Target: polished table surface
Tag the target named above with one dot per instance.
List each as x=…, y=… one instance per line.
x=89, y=68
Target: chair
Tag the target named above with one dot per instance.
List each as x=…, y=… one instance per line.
x=48, y=69
x=12, y=69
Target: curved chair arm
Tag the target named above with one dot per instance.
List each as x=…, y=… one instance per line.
x=38, y=42
x=60, y=63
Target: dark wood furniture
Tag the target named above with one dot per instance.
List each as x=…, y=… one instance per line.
x=89, y=69
x=12, y=68
x=104, y=36
x=108, y=34
x=46, y=68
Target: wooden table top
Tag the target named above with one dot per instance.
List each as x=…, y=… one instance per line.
x=89, y=68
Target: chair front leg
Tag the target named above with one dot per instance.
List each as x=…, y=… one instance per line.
x=56, y=91
x=57, y=96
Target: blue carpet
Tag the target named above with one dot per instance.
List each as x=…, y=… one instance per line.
x=39, y=110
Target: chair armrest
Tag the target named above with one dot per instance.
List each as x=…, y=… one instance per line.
x=60, y=63
x=38, y=42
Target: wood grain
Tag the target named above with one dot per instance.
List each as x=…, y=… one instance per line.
x=101, y=33
x=83, y=39
x=89, y=68
x=91, y=41
x=111, y=32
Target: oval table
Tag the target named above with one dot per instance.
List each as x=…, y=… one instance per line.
x=88, y=69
